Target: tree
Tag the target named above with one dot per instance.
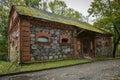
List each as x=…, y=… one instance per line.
x=57, y=7
x=32, y=3
x=60, y=7
x=5, y=6
x=108, y=17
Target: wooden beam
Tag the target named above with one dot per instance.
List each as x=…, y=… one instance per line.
x=80, y=31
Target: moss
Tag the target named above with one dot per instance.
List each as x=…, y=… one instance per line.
x=52, y=17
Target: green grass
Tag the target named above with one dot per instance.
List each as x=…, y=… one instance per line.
x=38, y=66
x=118, y=51
x=8, y=67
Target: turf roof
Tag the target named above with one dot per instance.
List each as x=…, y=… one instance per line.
x=29, y=11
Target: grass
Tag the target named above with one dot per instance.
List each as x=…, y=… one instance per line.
x=38, y=66
x=8, y=67
x=118, y=51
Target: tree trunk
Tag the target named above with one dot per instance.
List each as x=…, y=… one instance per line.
x=114, y=50
x=115, y=47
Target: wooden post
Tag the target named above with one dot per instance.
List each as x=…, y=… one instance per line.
x=75, y=43
x=25, y=40
x=82, y=48
x=95, y=47
x=110, y=40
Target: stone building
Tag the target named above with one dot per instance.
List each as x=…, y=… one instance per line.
x=36, y=35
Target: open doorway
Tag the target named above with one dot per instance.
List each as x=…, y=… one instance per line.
x=86, y=47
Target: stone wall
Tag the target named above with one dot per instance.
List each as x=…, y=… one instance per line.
x=103, y=45
x=14, y=46
x=53, y=50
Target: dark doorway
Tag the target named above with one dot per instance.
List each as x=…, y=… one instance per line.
x=86, y=47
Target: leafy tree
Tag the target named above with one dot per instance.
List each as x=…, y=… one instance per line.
x=32, y=3
x=5, y=6
x=60, y=7
x=57, y=6
x=108, y=17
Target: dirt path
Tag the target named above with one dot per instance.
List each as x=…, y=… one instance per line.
x=104, y=70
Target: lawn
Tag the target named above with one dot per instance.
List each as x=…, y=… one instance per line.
x=8, y=67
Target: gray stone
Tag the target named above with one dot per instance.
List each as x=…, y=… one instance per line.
x=32, y=42
x=50, y=57
x=58, y=53
x=32, y=39
x=60, y=56
x=55, y=41
x=57, y=32
x=37, y=57
x=32, y=35
x=37, y=29
x=42, y=58
x=56, y=57
x=32, y=58
x=47, y=46
x=36, y=52
x=34, y=47
x=45, y=57
x=52, y=31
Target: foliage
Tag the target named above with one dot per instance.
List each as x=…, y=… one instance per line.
x=108, y=17
x=60, y=7
x=5, y=6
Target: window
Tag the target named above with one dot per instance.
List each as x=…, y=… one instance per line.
x=64, y=40
x=43, y=39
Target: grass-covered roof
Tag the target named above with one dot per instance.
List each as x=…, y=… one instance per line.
x=29, y=11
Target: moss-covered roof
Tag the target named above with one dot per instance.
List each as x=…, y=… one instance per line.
x=29, y=11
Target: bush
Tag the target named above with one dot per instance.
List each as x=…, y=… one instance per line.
x=3, y=45
x=3, y=56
